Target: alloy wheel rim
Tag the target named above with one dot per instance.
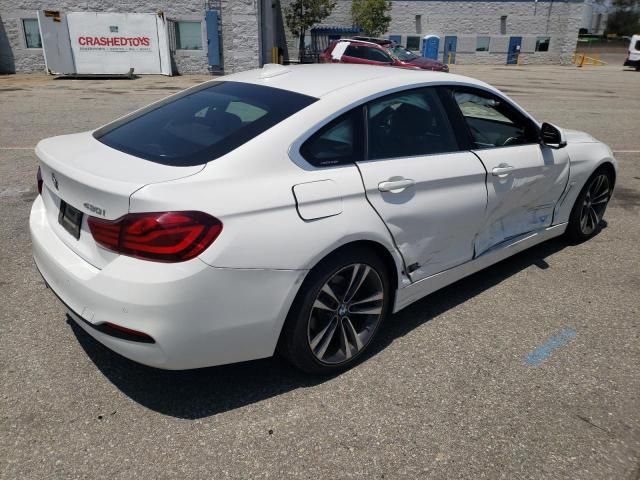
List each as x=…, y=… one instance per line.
x=345, y=314
x=594, y=204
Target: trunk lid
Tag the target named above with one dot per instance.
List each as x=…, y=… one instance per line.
x=97, y=180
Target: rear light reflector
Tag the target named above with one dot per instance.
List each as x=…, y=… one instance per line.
x=124, y=333
x=157, y=236
x=39, y=180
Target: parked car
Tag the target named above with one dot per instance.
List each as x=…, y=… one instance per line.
x=377, y=52
x=633, y=56
x=297, y=208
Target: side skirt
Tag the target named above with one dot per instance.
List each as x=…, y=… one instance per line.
x=414, y=292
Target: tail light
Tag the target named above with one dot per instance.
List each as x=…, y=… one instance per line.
x=39, y=180
x=158, y=236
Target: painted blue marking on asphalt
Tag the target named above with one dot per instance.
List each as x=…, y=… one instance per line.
x=544, y=351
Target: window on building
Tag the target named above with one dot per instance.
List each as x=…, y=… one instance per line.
x=31, y=33
x=482, y=44
x=542, y=44
x=503, y=25
x=188, y=36
x=413, y=43
x=418, y=23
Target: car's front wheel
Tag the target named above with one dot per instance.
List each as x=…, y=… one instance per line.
x=588, y=211
x=337, y=313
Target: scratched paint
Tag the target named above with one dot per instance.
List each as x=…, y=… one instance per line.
x=544, y=351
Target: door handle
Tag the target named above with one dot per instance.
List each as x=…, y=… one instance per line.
x=396, y=186
x=502, y=170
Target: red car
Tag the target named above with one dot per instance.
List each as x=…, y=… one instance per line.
x=377, y=52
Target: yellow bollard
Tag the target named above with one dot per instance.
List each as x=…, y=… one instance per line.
x=449, y=59
x=582, y=60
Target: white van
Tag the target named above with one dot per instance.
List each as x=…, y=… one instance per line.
x=633, y=58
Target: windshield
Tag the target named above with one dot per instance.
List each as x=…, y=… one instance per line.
x=203, y=123
x=402, y=53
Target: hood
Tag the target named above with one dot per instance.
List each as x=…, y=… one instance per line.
x=427, y=63
x=576, y=136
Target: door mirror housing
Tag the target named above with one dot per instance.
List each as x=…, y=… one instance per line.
x=552, y=137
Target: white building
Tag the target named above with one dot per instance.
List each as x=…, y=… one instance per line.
x=233, y=35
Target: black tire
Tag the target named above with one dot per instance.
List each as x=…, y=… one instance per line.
x=296, y=337
x=578, y=230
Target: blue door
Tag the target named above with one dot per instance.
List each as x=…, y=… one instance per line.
x=213, y=40
x=450, y=44
x=514, y=50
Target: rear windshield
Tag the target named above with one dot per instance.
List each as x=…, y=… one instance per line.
x=202, y=124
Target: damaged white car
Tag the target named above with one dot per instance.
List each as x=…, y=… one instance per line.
x=297, y=208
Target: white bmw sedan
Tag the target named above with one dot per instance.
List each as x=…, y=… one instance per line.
x=295, y=208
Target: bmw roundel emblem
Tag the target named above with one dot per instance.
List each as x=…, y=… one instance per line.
x=55, y=181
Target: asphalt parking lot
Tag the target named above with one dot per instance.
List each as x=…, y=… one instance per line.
x=530, y=369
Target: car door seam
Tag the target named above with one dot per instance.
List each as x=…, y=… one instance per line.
x=486, y=203
x=393, y=240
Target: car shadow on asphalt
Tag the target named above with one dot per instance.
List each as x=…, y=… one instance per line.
x=194, y=394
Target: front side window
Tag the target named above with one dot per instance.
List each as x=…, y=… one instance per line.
x=31, y=33
x=338, y=143
x=202, y=123
x=637, y=47
x=188, y=35
x=492, y=121
x=542, y=44
x=408, y=124
x=482, y=44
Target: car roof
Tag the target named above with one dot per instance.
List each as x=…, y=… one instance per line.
x=319, y=80
x=360, y=41
x=377, y=41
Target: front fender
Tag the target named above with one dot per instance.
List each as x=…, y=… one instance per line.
x=585, y=158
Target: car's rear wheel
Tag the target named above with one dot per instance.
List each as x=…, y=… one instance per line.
x=337, y=313
x=588, y=211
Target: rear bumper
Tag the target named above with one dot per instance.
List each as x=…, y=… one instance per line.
x=198, y=315
x=632, y=63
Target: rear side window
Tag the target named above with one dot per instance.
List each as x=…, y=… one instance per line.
x=637, y=47
x=356, y=51
x=337, y=143
x=202, y=124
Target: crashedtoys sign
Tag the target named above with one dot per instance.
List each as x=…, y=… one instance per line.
x=114, y=41
x=105, y=43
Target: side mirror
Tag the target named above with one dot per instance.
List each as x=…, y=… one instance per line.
x=552, y=136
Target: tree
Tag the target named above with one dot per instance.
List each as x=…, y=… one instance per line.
x=371, y=15
x=625, y=19
x=301, y=15
x=623, y=23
